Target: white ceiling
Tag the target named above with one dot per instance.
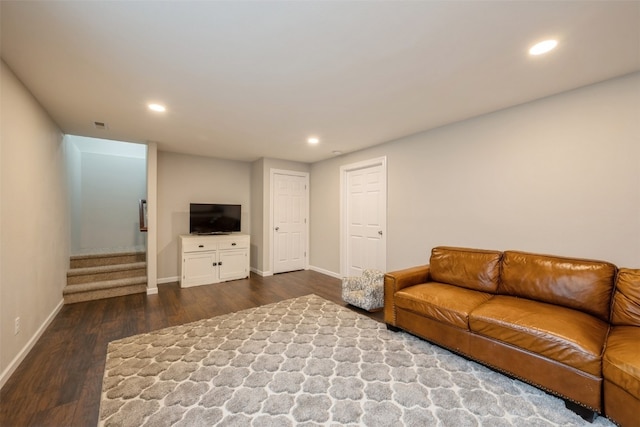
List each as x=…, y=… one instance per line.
x=244, y=80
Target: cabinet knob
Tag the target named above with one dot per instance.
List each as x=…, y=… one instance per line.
x=220, y=263
x=215, y=263
x=201, y=246
x=233, y=244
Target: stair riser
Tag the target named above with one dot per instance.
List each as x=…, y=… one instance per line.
x=105, y=276
x=107, y=260
x=104, y=293
x=109, y=275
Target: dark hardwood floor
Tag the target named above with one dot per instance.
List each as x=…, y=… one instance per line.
x=59, y=382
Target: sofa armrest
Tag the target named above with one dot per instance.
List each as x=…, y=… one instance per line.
x=397, y=280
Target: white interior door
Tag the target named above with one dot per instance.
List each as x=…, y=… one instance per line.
x=364, y=216
x=290, y=212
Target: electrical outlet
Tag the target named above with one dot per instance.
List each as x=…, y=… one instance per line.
x=16, y=326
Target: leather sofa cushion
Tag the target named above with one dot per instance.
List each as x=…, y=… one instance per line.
x=626, y=299
x=621, y=361
x=567, y=336
x=446, y=303
x=583, y=285
x=470, y=268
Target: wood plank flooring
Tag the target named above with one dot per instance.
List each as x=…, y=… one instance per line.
x=60, y=380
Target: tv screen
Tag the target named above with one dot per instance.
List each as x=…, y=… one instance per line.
x=208, y=218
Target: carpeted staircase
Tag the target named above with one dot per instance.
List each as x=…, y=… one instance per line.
x=100, y=276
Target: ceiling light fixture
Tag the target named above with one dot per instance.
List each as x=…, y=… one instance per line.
x=543, y=47
x=157, y=108
x=313, y=140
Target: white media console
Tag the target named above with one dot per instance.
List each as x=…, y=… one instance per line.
x=213, y=259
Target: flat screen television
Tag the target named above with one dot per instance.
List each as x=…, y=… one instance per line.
x=210, y=218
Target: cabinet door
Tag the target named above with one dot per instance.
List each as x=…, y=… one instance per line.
x=199, y=268
x=233, y=264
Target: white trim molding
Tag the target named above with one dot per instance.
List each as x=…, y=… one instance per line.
x=327, y=272
x=165, y=280
x=261, y=273
x=27, y=348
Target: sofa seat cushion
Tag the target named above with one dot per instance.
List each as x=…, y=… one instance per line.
x=446, y=303
x=567, y=336
x=621, y=362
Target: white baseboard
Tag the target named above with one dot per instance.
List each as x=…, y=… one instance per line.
x=261, y=273
x=311, y=267
x=165, y=280
x=327, y=272
x=27, y=348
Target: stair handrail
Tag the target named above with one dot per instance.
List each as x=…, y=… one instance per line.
x=142, y=207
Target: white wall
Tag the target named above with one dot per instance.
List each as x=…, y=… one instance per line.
x=152, y=218
x=184, y=179
x=257, y=214
x=559, y=175
x=108, y=180
x=74, y=184
x=34, y=244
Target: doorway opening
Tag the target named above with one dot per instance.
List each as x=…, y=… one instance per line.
x=107, y=181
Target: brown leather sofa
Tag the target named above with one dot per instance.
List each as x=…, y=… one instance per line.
x=542, y=319
x=621, y=362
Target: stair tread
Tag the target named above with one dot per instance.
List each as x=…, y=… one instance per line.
x=99, y=294
x=107, y=284
x=106, y=268
x=95, y=260
x=106, y=255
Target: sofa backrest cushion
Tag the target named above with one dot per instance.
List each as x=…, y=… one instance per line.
x=469, y=268
x=626, y=299
x=584, y=285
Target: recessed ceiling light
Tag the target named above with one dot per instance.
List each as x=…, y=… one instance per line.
x=543, y=47
x=313, y=140
x=157, y=108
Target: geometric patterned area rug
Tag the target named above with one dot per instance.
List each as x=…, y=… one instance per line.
x=307, y=361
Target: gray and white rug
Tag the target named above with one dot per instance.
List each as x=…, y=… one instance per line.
x=308, y=362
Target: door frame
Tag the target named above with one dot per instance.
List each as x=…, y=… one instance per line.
x=344, y=213
x=272, y=241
